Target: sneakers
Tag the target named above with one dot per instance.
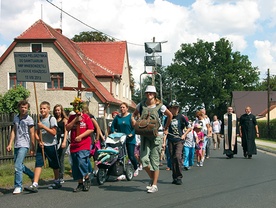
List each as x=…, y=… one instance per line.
x=136, y=172
x=55, y=185
x=197, y=164
x=178, y=181
x=140, y=167
x=121, y=177
x=61, y=180
x=95, y=172
x=86, y=184
x=201, y=164
x=187, y=168
x=31, y=188
x=79, y=188
x=153, y=189
x=149, y=186
x=17, y=190
x=174, y=181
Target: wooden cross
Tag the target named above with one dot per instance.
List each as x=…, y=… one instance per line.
x=79, y=89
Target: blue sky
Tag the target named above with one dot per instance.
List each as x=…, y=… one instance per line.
x=248, y=24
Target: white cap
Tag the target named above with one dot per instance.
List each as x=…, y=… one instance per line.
x=72, y=113
x=150, y=88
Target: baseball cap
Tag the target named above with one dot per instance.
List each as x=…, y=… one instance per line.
x=174, y=103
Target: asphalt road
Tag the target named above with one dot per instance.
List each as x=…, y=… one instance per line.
x=221, y=182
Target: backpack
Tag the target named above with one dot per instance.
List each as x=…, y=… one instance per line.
x=149, y=121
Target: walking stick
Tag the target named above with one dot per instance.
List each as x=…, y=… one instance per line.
x=38, y=120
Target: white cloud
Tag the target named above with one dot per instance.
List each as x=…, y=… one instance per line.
x=266, y=56
x=240, y=21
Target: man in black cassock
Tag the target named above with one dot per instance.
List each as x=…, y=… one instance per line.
x=248, y=131
x=230, y=130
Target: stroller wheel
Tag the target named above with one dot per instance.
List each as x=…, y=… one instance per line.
x=129, y=172
x=101, y=176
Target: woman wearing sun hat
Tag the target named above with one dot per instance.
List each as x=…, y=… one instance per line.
x=151, y=146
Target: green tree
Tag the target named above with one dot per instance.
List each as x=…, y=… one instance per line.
x=263, y=84
x=11, y=98
x=206, y=73
x=91, y=36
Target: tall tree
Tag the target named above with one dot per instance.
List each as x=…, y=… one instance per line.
x=91, y=36
x=206, y=73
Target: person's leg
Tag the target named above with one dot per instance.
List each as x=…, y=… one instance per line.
x=207, y=148
x=191, y=157
x=186, y=152
x=214, y=135
x=130, y=152
x=168, y=158
x=179, y=161
x=218, y=140
x=61, y=155
x=19, y=155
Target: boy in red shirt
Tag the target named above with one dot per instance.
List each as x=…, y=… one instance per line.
x=81, y=127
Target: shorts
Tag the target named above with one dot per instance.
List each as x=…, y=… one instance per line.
x=81, y=165
x=150, y=150
x=51, y=155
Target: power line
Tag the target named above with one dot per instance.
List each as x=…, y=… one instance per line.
x=89, y=25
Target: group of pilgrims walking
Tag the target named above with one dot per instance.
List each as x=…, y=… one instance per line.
x=186, y=142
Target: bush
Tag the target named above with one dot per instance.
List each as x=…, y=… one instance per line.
x=11, y=98
x=263, y=129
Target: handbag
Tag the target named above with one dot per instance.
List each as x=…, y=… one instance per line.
x=147, y=127
x=197, y=147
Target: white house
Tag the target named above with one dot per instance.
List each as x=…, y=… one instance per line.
x=101, y=67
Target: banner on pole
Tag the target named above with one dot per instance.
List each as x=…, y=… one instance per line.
x=32, y=67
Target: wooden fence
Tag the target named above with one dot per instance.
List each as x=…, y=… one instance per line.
x=6, y=127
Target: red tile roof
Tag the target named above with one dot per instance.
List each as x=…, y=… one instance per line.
x=110, y=54
x=103, y=59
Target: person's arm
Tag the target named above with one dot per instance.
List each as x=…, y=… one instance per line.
x=64, y=142
x=12, y=136
x=89, y=130
x=169, y=119
x=114, y=125
x=32, y=137
x=164, y=141
x=51, y=130
x=133, y=116
x=188, y=128
x=98, y=129
x=256, y=127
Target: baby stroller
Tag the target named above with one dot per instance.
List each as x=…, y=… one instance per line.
x=112, y=161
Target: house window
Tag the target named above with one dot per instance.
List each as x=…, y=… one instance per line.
x=57, y=81
x=14, y=82
x=36, y=47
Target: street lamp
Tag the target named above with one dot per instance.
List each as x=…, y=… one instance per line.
x=154, y=61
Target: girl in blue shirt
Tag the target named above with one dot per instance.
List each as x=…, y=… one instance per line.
x=122, y=123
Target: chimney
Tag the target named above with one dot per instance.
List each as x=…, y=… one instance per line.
x=59, y=30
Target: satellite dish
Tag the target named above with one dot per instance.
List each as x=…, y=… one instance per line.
x=89, y=95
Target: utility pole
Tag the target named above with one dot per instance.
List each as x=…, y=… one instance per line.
x=268, y=103
x=153, y=67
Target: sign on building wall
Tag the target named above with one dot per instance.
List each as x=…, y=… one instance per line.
x=101, y=110
x=32, y=67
